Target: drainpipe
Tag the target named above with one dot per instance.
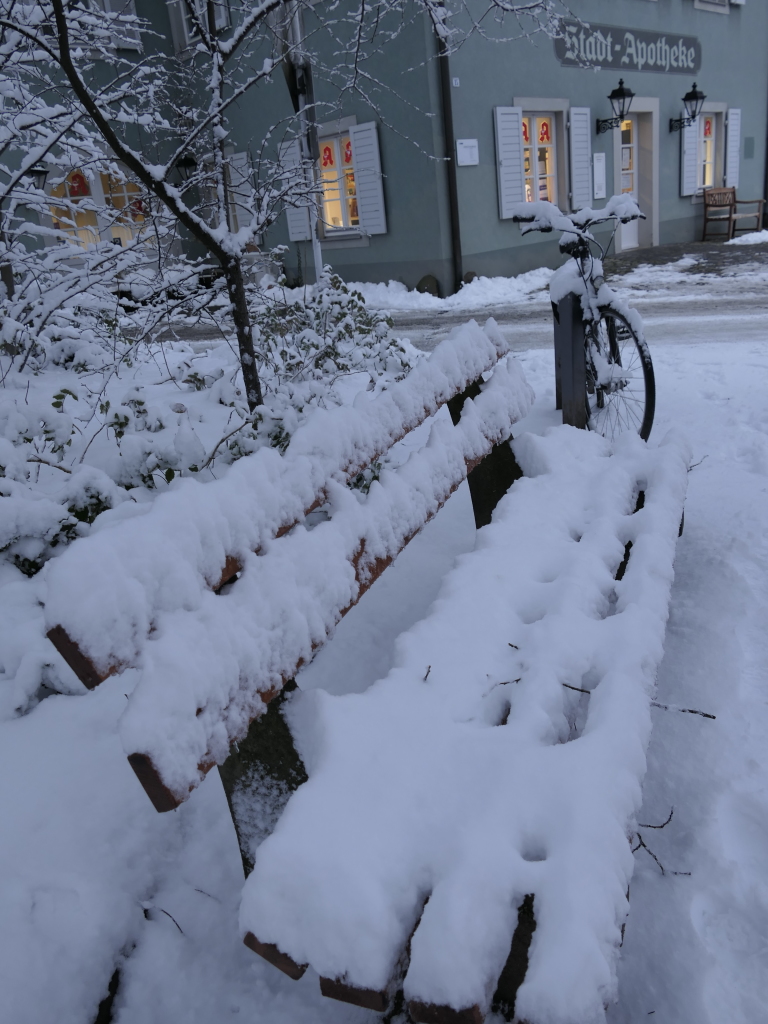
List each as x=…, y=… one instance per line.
x=450, y=153
x=298, y=75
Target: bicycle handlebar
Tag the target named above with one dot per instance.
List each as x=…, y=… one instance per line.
x=576, y=237
x=545, y=217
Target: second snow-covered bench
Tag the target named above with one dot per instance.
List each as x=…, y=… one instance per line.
x=463, y=833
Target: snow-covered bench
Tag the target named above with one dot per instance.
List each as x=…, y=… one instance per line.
x=143, y=595
x=464, y=827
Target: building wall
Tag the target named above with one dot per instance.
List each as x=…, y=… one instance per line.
x=733, y=73
x=417, y=241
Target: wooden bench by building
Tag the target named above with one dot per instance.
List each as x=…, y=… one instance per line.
x=721, y=207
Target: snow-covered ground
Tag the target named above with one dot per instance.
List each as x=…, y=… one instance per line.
x=89, y=870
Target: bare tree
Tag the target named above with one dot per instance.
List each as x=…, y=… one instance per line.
x=155, y=114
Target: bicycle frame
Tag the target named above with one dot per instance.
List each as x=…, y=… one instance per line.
x=596, y=326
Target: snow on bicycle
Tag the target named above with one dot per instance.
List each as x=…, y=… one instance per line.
x=620, y=385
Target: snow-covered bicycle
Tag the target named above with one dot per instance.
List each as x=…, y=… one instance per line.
x=620, y=385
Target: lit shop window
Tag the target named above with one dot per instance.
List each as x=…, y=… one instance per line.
x=337, y=176
x=706, y=165
x=539, y=158
x=78, y=221
x=628, y=161
x=126, y=206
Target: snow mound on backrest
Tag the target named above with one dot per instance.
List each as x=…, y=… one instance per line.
x=109, y=590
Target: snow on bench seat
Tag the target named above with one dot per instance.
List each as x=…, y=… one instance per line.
x=501, y=757
x=209, y=670
x=106, y=594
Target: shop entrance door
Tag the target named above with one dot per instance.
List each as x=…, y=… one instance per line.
x=629, y=178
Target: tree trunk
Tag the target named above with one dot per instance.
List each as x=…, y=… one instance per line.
x=233, y=273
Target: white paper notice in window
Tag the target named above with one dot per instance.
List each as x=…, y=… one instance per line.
x=598, y=175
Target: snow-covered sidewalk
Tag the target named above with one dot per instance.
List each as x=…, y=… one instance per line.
x=88, y=867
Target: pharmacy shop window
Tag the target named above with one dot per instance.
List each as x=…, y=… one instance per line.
x=706, y=173
x=540, y=157
x=339, y=188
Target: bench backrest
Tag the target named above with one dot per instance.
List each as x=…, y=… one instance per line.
x=143, y=593
x=719, y=196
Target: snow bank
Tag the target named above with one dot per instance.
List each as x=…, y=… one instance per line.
x=478, y=770
x=752, y=238
x=483, y=291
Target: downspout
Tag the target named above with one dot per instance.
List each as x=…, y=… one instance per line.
x=298, y=75
x=450, y=155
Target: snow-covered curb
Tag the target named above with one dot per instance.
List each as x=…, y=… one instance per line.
x=478, y=294
x=751, y=238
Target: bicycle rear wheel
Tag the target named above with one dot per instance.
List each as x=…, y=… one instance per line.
x=621, y=387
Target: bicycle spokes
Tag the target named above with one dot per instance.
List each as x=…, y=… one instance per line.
x=619, y=379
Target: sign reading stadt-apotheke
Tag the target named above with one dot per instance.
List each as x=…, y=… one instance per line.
x=610, y=46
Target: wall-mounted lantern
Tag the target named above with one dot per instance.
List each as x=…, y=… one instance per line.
x=621, y=100
x=693, y=101
x=186, y=165
x=37, y=175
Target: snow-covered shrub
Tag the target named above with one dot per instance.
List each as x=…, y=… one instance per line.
x=306, y=344
x=102, y=404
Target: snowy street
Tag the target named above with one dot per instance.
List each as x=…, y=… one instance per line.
x=91, y=873
x=703, y=280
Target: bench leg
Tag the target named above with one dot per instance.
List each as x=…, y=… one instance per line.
x=259, y=776
x=511, y=978
x=491, y=479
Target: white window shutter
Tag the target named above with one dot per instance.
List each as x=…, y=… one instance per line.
x=126, y=37
x=508, y=122
x=221, y=14
x=183, y=30
x=368, y=178
x=297, y=216
x=733, y=148
x=689, y=155
x=240, y=190
x=178, y=31
x=581, y=157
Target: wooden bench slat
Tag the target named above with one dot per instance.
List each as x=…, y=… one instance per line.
x=429, y=1013
x=368, y=998
x=80, y=663
x=275, y=956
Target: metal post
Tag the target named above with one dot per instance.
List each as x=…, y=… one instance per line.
x=558, y=357
x=450, y=157
x=570, y=361
x=309, y=147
